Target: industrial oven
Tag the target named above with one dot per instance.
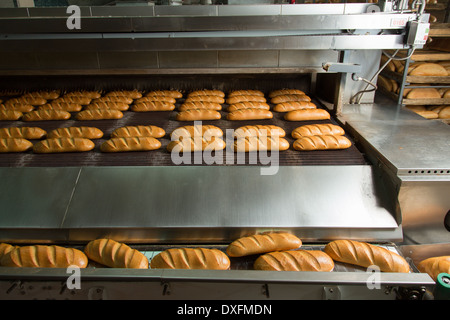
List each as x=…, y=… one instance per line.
x=390, y=188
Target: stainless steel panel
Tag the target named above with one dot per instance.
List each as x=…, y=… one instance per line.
x=244, y=59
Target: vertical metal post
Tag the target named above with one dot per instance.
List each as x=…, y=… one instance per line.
x=340, y=90
x=404, y=75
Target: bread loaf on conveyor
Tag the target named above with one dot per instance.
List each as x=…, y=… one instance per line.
x=130, y=144
x=9, y=145
x=246, y=93
x=21, y=107
x=34, y=101
x=31, y=133
x=76, y=132
x=133, y=94
x=114, y=254
x=206, y=92
x=110, y=105
x=196, y=144
x=434, y=266
x=64, y=106
x=317, y=130
x=120, y=99
x=243, y=98
x=289, y=97
x=198, y=114
x=205, y=131
x=293, y=105
x=200, y=105
x=85, y=94
x=46, y=115
x=248, y=105
x=365, y=255
x=47, y=95
x=58, y=145
x=138, y=131
x=261, y=143
x=41, y=256
x=263, y=243
x=99, y=114
x=250, y=114
x=307, y=114
x=210, y=98
x=295, y=260
x=169, y=93
x=282, y=92
x=325, y=142
x=83, y=100
x=259, y=130
x=148, y=106
x=10, y=115
x=191, y=258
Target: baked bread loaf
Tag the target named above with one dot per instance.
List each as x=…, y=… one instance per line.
x=130, y=144
x=290, y=97
x=317, y=130
x=293, y=105
x=83, y=100
x=152, y=106
x=198, y=114
x=90, y=94
x=191, y=258
x=211, y=98
x=196, y=144
x=258, y=131
x=46, y=115
x=248, y=105
x=138, y=131
x=250, y=114
x=434, y=266
x=325, y=142
x=204, y=131
x=58, y=145
x=31, y=133
x=10, y=115
x=365, y=255
x=282, y=92
x=133, y=94
x=206, y=92
x=76, y=132
x=427, y=69
x=263, y=243
x=108, y=105
x=422, y=93
x=200, y=105
x=9, y=145
x=34, y=101
x=114, y=254
x=261, y=143
x=156, y=98
x=244, y=98
x=120, y=99
x=245, y=93
x=21, y=107
x=169, y=93
x=5, y=248
x=47, y=95
x=99, y=114
x=444, y=113
x=64, y=106
x=307, y=114
x=295, y=260
x=428, y=114
x=42, y=256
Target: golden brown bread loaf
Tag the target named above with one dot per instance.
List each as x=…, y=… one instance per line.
x=205, y=131
x=138, y=131
x=444, y=113
x=295, y=260
x=10, y=115
x=152, y=106
x=198, y=114
x=31, y=133
x=191, y=258
x=42, y=256
x=248, y=105
x=130, y=144
x=34, y=101
x=58, y=145
x=21, y=107
x=290, y=97
x=89, y=94
x=428, y=114
x=434, y=266
x=246, y=93
x=211, y=98
x=5, y=248
x=307, y=114
x=244, y=98
x=259, y=130
x=261, y=143
x=64, y=106
x=170, y=93
x=146, y=99
x=76, y=132
x=120, y=99
x=194, y=144
x=108, y=105
x=317, y=130
x=427, y=69
x=422, y=93
x=283, y=92
x=249, y=114
x=83, y=100
x=293, y=105
x=99, y=114
x=133, y=94
x=200, y=105
x=325, y=142
x=8, y=145
x=206, y=92
x=263, y=243
x=114, y=254
x=47, y=95
x=46, y=115
x=365, y=255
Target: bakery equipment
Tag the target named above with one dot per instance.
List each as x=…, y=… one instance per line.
x=366, y=193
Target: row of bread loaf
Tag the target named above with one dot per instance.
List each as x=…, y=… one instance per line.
x=431, y=112
x=420, y=68
x=276, y=251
